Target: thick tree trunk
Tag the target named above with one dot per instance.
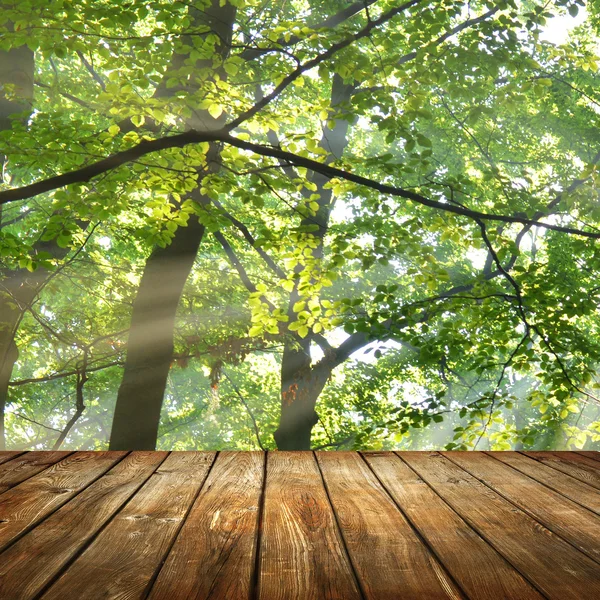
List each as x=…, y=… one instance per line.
x=150, y=345
x=18, y=290
x=295, y=425
x=300, y=391
x=16, y=75
x=9, y=354
x=16, y=71
x=301, y=384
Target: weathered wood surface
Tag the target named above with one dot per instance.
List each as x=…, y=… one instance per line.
x=25, y=466
x=572, y=463
x=133, y=545
x=302, y=554
x=481, y=571
x=299, y=525
x=55, y=541
x=387, y=554
x=557, y=480
x=214, y=555
x=550, y=563
x=28, y=503
x=555, y=512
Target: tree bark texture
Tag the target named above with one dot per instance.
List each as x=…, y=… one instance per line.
x=150, y=345
x=16, y=95
x=301, y=384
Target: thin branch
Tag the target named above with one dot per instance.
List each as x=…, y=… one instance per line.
x=328, y=23
x=334, y=49
x=250, y=239
x=243, y=401
x=498, y=384
x=82, y=377
x=35, y=422
x=91, y=70
x=235, y=261
x=462, y=26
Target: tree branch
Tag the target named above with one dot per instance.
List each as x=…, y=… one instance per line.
x=243, y=401
x=193, y=137
x=328, y=23
x=91, y=70
x=79, y=403
x=334, y=49
x=250, y=239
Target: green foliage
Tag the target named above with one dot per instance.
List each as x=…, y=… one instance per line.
x=467, y=347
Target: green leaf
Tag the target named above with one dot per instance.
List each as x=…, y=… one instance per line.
x=138, y=120
x=215, y=110
x=230, y=68
x=423, y=141
x=255, y=330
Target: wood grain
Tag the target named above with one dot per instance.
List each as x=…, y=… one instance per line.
x=559, y=514
x=480, y=571
x=324, y=526
x=302, y=556
x=19, y=469
x=25, y=505
x=122, y=561
x=389, y=558
x=59, y=538
x=560, y=482
x=589, y=454
x=573, y=464
x=214, y=555
x=6, y=455
x=554, y=566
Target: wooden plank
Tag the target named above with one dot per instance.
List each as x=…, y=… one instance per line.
x=214, y=555
x=32, y=562
x=559, y=514
x=572, y=464
x=302, y=556
x=124, y=558
x=480, y=571
x=568, y=486
x=554, y=566
x=6, y=455
x=29, y=464
x=589, y=454
x=25, y=505
x=389, y=557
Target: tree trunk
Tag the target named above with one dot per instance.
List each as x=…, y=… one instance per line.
x=16, y=69
x=301, y=384
x=150, y=345
x=300, y=390
x=8, y=357
x=18, y=290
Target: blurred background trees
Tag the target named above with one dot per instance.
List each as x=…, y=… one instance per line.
x=211, y=296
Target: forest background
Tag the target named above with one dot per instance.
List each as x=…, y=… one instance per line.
x=308, y=223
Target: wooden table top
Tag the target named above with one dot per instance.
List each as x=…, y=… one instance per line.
x=299, y=525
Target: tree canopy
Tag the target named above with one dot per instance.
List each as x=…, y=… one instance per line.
x=245, y=224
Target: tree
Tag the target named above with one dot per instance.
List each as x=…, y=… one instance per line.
x=373, y=173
